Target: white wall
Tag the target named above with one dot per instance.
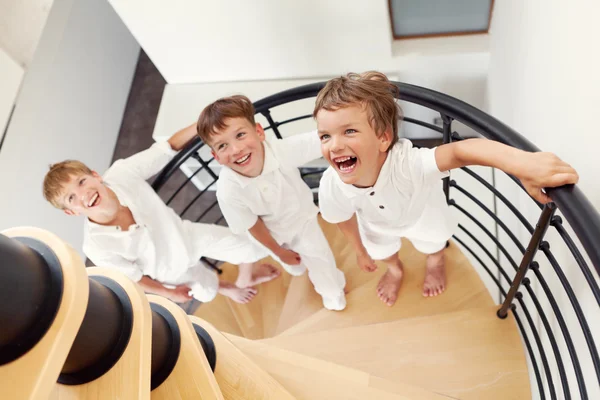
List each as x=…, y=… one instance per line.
x=70, y=106
x=544, y=82
x=11, y=75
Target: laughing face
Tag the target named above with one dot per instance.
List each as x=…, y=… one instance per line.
x=239, y=146
x=86, y=195
x=351, y=146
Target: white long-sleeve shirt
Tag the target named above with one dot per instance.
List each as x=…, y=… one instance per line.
x=159, y=244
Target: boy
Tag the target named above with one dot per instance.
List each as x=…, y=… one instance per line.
x=379, y=189
x=260, y=191
x=130, y=228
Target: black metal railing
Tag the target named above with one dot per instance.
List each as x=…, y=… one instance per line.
x=526, y=290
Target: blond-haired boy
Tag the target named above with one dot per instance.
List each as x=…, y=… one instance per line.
x=379, y=188
x=130, y=228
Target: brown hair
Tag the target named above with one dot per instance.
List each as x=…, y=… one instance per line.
x=212, y=118
x=59, y=174
x=372, y=90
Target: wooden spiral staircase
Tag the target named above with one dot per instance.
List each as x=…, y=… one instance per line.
x=283, y=345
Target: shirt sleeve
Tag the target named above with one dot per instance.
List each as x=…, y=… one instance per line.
x=149, y=162
x=300, y=149
x=238, y=215
x=105, y=259
x=335, y=207
x=421, y=163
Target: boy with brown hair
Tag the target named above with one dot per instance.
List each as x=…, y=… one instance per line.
x=130, y=228
x=379, y=188
x=261, y=192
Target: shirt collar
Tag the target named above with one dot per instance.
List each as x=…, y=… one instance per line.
x=95, y=228
x=270, y=164
x=382, y=180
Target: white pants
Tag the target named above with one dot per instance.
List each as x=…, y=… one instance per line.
x=219, y=243
x=316, y=257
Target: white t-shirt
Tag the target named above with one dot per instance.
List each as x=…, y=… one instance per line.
x=158, y=245
x=407, y=182
x=278, y=195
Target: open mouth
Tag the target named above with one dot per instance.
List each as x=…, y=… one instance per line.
x=94, y=200
x=243, y=161
x=345, y=164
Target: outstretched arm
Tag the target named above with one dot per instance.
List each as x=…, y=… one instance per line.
x=182, y=137
x=148, y=162
x=535, y=170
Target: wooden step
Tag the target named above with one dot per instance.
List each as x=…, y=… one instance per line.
x=300, y=303
x=238, y=376
x=470, y=354
x=255, y=320
x=465, y=290
x=310, y=378
x=219, y=313
x=34, y=374
x=130, y=377
x=191, y=378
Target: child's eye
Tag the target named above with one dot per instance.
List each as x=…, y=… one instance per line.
x=324, y=137
x=348, y=131
x=221, y=146
x=241, y=134
x=81, y=181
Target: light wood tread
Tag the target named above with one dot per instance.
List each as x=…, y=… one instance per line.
x=219, y=313
x=238, y=376
x=255, y=320
x=300, y=303
x=464, y=290
x=34, y=374
x=129, y=378
x=310, y=378
x=192, y=377
x=469, y=354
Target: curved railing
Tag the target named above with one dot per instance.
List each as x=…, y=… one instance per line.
x=564, y=358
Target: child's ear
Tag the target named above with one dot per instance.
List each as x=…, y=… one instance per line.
x=385, y=140
x=260, y=131
x=96, y=175
x=215, y=156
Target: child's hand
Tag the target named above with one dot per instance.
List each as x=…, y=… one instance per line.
x=540, y=170
x=289, y=257
x=365, y=262
x=180, y=294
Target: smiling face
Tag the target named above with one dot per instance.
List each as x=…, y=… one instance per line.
x=85, y=194
x=239, y=146
x=351, y=145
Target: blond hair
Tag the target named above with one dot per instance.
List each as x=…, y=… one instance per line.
x=58, y=175
x=372, y=90
x=213, y=117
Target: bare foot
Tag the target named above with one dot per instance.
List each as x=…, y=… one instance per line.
x=239, y=295
x=435, y=276
x=389, y=284
x=254, y=274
